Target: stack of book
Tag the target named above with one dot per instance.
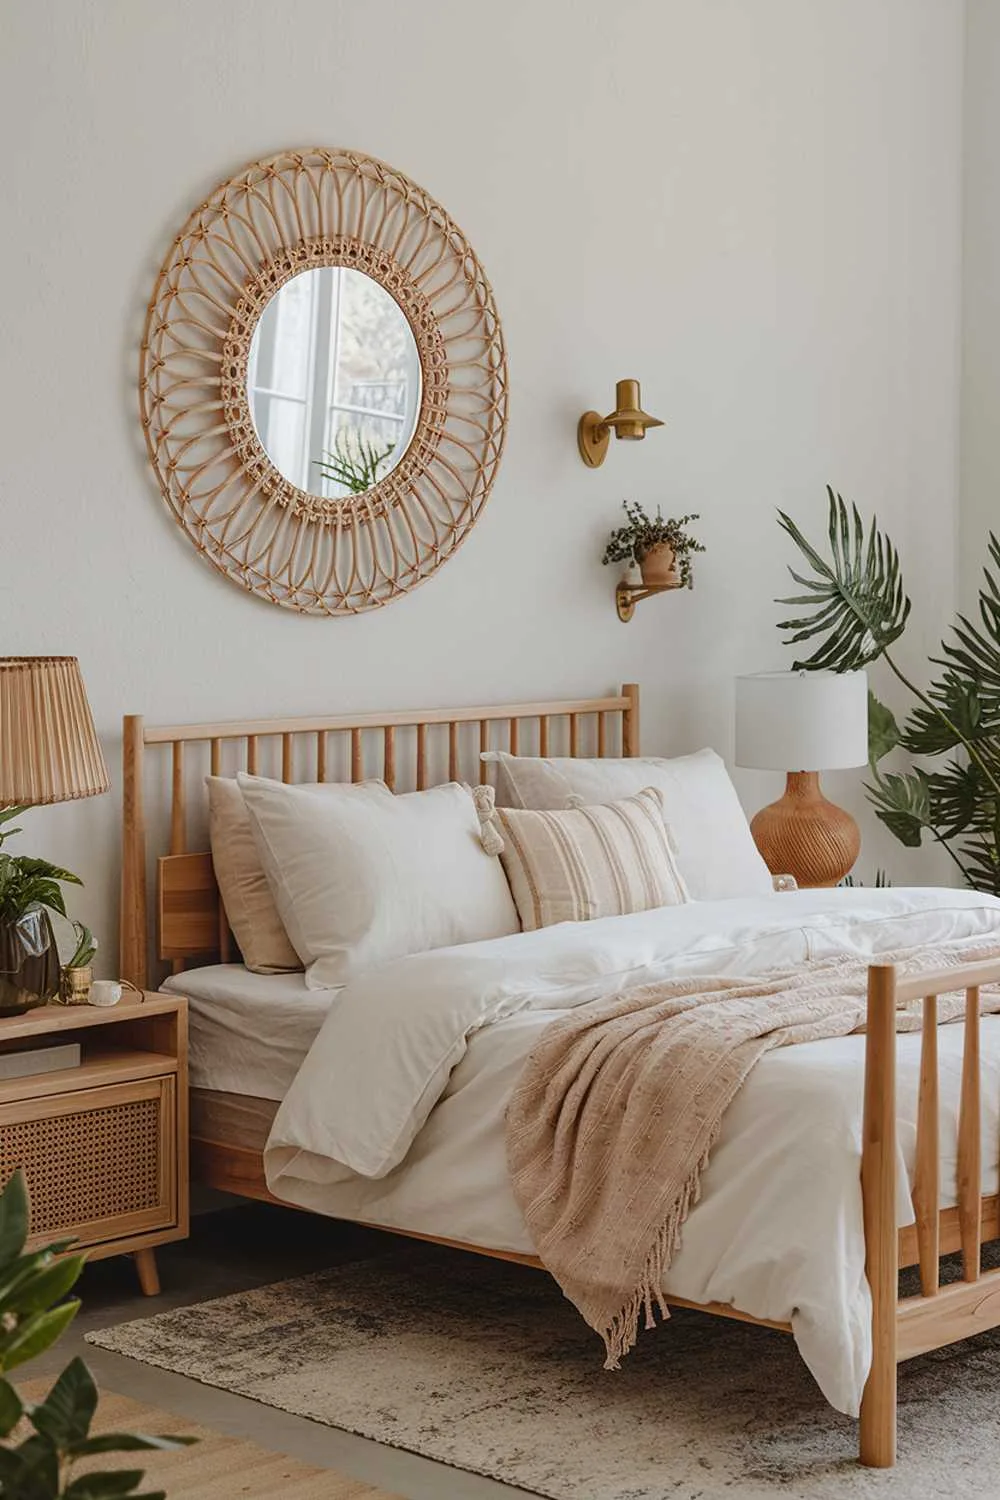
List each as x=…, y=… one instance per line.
x=23, y=1059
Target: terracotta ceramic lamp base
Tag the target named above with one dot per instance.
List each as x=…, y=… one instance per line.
x=804, y=835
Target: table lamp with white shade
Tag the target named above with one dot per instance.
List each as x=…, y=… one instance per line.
x=803, y=723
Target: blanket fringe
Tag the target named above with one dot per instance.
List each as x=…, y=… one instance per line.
x=622, y=1333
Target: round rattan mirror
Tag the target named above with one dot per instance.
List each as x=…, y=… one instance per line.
x=334, y=381
x=323, y=382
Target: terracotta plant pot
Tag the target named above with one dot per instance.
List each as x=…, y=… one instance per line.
x=659, y=564
x=29, y=963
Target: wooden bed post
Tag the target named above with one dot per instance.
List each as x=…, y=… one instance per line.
x=630, y=719
x=133, y=914
x=878, y=1192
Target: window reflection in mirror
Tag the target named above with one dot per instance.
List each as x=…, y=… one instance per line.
x=334, y=381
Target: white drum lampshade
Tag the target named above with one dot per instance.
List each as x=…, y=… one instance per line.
x=803, y=723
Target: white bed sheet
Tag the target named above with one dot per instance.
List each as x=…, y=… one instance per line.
x=397, y=1115
x=248, y=1033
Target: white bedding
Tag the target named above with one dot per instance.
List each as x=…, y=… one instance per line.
x=248, y=1033
x=396, y=1116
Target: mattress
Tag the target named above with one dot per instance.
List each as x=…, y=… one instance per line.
x=248, y=1032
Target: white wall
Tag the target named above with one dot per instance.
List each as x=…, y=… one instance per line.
x=981, y=287
x=751, y=205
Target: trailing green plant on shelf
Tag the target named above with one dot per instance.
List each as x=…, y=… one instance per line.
x=41, y=1443
x=855, y=608
x=643, y=534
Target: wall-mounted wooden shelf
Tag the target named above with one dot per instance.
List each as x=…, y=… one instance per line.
x=628, y=595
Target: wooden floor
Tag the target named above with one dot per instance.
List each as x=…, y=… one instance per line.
x=232, y=1251
x=217, y=1467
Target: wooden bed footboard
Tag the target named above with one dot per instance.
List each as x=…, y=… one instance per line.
x=902, y=1327
x=905, y=1327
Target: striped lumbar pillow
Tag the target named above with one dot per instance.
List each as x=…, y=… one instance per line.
x=587, y=862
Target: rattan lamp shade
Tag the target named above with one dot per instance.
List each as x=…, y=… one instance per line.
x=49, y=750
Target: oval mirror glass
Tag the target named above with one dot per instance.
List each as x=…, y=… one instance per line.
x=334, y=381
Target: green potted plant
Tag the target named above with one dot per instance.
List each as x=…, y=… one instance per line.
x=661, y=547
x=29, y=890
x=77, y=971
x=39, y=1464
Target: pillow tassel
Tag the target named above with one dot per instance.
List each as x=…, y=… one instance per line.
x=484, y=798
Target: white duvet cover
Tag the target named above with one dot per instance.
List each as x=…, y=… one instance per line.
x=396, y=1117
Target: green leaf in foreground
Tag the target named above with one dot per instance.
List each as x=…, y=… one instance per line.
x=67, y=1411
x=883, y=731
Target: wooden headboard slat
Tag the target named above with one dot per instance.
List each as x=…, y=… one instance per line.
x=404, y=718
x=190, y=919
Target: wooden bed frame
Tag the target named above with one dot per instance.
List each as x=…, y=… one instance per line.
x=191, y=929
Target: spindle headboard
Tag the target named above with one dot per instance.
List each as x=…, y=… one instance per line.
x=438, y=744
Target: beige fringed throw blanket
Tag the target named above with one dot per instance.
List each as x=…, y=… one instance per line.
x=621, y=1101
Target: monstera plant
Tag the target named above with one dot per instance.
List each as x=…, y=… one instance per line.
x=854, y=609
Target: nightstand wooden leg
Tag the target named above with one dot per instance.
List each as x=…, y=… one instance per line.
x=149, y=1276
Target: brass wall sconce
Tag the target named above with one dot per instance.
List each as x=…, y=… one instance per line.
x=628, y=419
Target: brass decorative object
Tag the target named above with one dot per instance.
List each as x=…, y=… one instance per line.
x=320, y=553
x=628, y=421
x=75, y=983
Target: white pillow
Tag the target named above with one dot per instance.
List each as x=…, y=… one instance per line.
x=716, y=854
x=246, y=895
x=361, y=880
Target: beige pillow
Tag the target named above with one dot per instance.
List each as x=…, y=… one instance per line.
x=587, y=862
x=246, y=895
x=359, y=882
x=708, y=828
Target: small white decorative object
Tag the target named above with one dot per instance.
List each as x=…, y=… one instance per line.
x=105, y=992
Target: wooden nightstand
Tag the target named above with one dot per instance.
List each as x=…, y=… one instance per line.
x=103, y=1145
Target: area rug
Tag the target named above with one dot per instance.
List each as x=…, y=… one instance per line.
x=216, y=1467
x=486, y=1367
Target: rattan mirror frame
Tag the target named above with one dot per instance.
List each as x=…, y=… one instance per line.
x=279, y=216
